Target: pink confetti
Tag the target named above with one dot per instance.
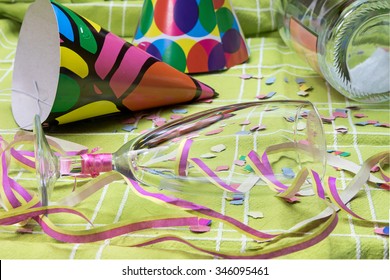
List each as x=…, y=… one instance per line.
x=246, y=76
x=176, y=117
x=239, y=162
x=199, y=228
x=215, y=131
x=372, y=122
x=152, y=117
x=339, y=115
x=159, y=121
x=206, y=100
x=360, y=115
x=292, y=199
x=222, y=168
x=261, y=96
x=257, y=128
x=375, y=168
x=245, y=122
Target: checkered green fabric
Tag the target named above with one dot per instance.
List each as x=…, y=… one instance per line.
x=352, y=239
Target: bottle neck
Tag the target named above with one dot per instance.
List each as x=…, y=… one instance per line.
x=86, y=165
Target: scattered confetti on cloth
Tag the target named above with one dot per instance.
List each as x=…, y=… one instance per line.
x=365, y=126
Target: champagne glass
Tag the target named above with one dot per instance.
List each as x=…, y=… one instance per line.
x=183, y=155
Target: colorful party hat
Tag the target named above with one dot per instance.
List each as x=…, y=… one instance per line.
x=68, y=68
x=194, y=36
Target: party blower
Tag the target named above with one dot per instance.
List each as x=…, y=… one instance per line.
x=236, y=148
x=192, y=36
x=68, y=68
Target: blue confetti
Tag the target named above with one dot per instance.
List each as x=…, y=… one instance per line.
x=243, y=132
x=299, y=80
x=272, y=93
x=179, y=111
x=386, y=230
x=129, y=128
x=361, y=123
x=288, y=172
x=341, y=110
x=286, y=80
x=270, y=81
x=237, y=202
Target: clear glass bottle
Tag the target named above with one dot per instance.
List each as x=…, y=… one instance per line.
x=346, y=41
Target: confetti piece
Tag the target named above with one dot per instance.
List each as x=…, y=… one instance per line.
x=289, y=118
x=261, y=96
x=299, y=80
x=152, y=117
x=218, y=148
x=239, y=162
x=270, y=94
x=208, y=155
x=246, y=76
x=176, y=117
x=361, y=123
x=292, y=199
x=288, y=172
x=245, y=122
x=340, y=153
x=285, y=80
x=270, y=81
x=215, y=131
x=339, y=115
x=129, y=128
x=242, y=158
x=382, y=125
x=385, y=186
x=179, y=111
x=360, y=115
x=382, y=231
x=248, y=168
x=353, y=107
x=342, y=110
x=327, y=119
x=222, y=168
x=301, y=126
x=25, y=229
x=272, y=108
x=209, y=100
x=243, y=132
x=345, y=154
x=375, y=168
x=341, y=129
x=199, y=228
x=372, y=122
x=238, y=196
x=237, y=202
x=256, y=214
x=130, y=120
x=302, y=93
x=304, y=87
x=257, y=128
x=159, y=121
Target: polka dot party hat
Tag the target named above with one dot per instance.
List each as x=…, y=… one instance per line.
x=193, y=36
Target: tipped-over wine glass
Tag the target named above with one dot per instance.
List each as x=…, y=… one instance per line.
x=195, y=153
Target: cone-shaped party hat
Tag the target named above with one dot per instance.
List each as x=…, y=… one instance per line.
x=194, y=36
x=68, y=68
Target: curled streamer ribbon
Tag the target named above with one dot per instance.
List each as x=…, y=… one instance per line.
x=21, y=205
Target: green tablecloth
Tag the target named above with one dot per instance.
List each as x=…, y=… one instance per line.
x=351, y=239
